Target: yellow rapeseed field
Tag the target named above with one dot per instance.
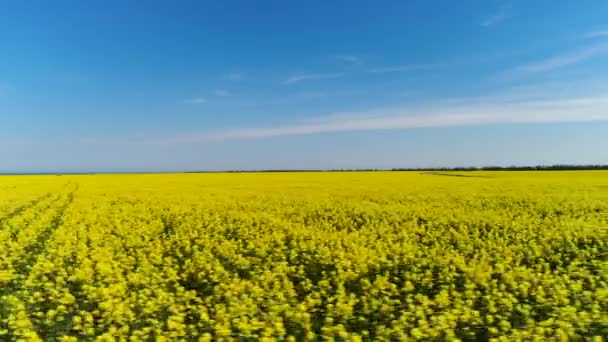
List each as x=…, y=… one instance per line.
x=347, y=256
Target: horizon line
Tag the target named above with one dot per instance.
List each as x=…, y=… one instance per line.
x=539, y=167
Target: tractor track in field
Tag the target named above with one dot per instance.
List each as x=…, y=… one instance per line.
x=454, y=175
x=15, y=287
x=33, y=251
x=31, y=254
x=51, y=205
x=17, y=211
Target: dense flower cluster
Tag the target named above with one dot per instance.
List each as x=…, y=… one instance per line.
x=500, y=256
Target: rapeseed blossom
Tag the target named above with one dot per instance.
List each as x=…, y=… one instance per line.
x=305, y=256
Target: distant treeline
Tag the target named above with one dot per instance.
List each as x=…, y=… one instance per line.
x=559, y=167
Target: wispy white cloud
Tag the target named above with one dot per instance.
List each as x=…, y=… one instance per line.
x=311, y=77
x=352, y=59
x=503, y=14
x=504, y=108
x=196, y=100
x=402, y=68
x=596, y=34
x=313, y=94
x=233, y=76
x=220, y=92
x=561, y=61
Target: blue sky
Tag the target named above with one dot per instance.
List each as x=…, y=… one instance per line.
x=211, y=85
